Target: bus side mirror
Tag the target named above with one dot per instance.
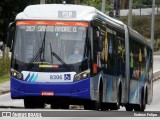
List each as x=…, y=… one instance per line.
x=10, y=35
x=100, y=44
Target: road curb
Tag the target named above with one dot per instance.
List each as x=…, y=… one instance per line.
x=156, y=76
x=4, y=91
x=156, y=79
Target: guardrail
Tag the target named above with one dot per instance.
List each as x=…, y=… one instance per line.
x=140, y=11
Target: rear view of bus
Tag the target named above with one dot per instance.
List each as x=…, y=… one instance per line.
x=45, y=66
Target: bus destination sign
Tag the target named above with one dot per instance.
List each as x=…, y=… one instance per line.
x=67, y=14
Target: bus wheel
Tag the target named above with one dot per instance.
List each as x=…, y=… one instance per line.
x=113, y=106
x=129, y=107
x=90, y=106
x=59, y=106
x=98, y=105
x=105, y=107
x=55, y=106
x=116, y=106
x=142, y=105
x=119, y=98
x=30, y=103
x=64, y=106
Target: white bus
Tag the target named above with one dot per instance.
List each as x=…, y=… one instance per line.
x=72, y=54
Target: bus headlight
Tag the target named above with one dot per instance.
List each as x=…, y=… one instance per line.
x=82, y=75
x=16, y=74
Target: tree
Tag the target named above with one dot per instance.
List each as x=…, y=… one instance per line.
x=8, y=11
x=147, y=2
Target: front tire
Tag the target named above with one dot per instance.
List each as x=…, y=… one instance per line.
x=59, y=105
x=99, y=104
x=33, y=103
x=129, y=107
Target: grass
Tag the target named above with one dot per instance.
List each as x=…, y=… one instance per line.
x=4, y=69
x=4, y=78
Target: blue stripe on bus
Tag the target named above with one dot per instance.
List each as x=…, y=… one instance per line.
x=27, y=77
x=30, y=79
x=35, y=78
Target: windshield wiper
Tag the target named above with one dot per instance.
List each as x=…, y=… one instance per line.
x=39, y=53
x=54, y=54
x=51, y=53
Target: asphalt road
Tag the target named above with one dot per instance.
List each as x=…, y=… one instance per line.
x=7, y=104
x=17, y=106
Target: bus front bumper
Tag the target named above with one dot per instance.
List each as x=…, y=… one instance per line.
x=22, y=89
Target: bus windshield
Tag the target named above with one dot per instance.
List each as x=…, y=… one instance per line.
x=36, y=41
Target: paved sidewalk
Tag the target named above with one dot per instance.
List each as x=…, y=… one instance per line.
x=156, y=75
x=5, y=87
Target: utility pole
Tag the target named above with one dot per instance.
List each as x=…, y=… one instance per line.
x=42, y=1
x=103, y=6
x=130, y=13
x=88, y=2
x=116, y=8
x=152, y=25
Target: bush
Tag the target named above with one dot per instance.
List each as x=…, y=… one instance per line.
x=4, y=66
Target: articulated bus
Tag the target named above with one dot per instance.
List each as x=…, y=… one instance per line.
x=114, y=66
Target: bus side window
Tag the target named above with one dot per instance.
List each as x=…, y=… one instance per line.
x=99, y=39
x=110, y=53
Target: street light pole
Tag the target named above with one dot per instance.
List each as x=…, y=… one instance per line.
x=103, y=6
x=130, y=13
x=88, y=2
x=152, y=25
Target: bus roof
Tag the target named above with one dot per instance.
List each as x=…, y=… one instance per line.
x=138, y=37
x=57, y=12
x=61, y=12
x=68, y=12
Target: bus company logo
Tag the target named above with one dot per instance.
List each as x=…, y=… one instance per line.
x=6, y=114
x=67, y=76
x=31, y=77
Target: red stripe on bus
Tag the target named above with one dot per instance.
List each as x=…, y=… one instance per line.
x=21, y=23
